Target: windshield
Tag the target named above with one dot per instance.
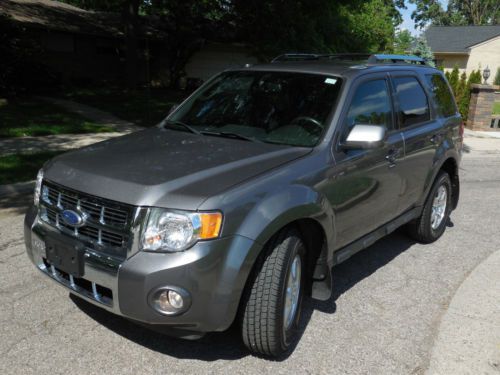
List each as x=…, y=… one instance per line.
x=275, y=107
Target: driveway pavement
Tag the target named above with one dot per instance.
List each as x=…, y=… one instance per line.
x=385, y=317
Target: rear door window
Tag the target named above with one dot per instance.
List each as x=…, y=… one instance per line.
x=413, y=103
x=442, y=95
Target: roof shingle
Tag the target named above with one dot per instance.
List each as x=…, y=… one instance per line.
x=53, y=15
x=458, y=38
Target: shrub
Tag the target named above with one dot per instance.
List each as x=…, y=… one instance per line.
x=496, y=81
x=461, y=85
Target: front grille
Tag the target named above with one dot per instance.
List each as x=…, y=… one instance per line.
x=107, y=224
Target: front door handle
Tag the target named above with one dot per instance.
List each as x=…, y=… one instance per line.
x=392, y=156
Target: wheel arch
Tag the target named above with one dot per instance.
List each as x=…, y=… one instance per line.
x=449, y=163
x=450, y=166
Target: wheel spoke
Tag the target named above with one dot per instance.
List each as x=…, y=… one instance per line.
x=292, y=292
x=439, y=204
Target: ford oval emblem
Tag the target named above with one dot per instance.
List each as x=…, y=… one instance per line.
x=73, y=218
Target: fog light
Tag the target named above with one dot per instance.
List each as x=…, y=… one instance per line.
x=175, y=299
x=170, y=300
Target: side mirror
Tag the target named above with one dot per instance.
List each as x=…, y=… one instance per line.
x=365, y=137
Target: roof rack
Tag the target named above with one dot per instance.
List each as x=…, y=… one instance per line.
x=395, y=59
x=368, y=58
x=296, y=57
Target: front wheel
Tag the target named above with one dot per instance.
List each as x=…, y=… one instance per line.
x=432, y=222
x=271, y=308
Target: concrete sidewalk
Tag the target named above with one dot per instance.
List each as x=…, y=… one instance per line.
x=94, y=114
x=469, y=335
x=482, y=134
x=61, y=142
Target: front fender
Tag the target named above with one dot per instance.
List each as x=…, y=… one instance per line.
x=283, y=207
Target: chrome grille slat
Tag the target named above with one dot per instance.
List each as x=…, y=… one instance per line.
x=108, y=223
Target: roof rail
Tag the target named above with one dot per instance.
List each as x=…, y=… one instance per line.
x=296, y=57
x=369, y=58
x=395, y=59
x=315, y=56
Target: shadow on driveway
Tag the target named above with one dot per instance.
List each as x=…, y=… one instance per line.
x=16, y=204
x=228, y=345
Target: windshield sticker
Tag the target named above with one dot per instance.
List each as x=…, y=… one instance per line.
x=331, y=81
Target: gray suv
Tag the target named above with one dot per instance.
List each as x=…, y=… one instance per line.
x=241, y=201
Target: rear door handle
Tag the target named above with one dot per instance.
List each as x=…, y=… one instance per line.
x=437, y=138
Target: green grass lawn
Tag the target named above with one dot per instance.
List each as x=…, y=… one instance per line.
x=19, y=168
x=21, y=117
x=496, y=108
x=141, y=106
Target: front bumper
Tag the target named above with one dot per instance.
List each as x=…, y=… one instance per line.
x=213, y=272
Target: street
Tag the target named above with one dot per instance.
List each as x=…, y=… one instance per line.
x=383, y=318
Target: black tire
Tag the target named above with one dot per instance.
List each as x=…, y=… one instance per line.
x=262, y=314
x=421, y=228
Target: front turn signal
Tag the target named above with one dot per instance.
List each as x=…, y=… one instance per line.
x=211, y=223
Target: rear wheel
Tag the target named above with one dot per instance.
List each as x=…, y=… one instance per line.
x=271, y=308
x=432, y=222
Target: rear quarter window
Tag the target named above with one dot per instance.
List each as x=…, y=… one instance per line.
x=441, y=95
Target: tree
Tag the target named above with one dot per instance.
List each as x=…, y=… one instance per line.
x=131, y=21
x=423, y=50
x=453, y=78
x=496, y=81
x=270, y=26
x=403, y=41
x=187, y=25
x=19, y=65
x=277, y=26
x=457, y=13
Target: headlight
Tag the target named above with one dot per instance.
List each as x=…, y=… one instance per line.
x=177, y=230
x=38, y=187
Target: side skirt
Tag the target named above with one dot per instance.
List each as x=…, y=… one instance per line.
x=348, y=251
x=322, y=278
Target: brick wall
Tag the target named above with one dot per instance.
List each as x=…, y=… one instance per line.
x=481, y=106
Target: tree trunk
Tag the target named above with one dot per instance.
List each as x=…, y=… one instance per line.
x=131, y=16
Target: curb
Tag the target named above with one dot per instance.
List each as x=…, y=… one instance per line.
x=468, y=340
x=482, y=134
x=18, y=188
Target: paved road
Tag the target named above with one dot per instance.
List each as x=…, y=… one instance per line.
x=383, y=319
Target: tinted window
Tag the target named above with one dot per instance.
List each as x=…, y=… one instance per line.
x=442, y=95
x=275, y=107
x=371, y=105
x=413, y=105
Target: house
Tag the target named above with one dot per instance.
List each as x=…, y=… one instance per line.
x=468, y=47
x=213, y=58
x=75, y=45
x=80, y=47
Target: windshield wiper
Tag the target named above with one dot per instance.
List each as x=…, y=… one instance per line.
x=180, y=124
x=231, y=135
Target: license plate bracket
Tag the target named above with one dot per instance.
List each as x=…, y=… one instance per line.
x=66, y=256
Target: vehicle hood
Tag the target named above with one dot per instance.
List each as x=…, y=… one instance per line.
x=165, y=168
